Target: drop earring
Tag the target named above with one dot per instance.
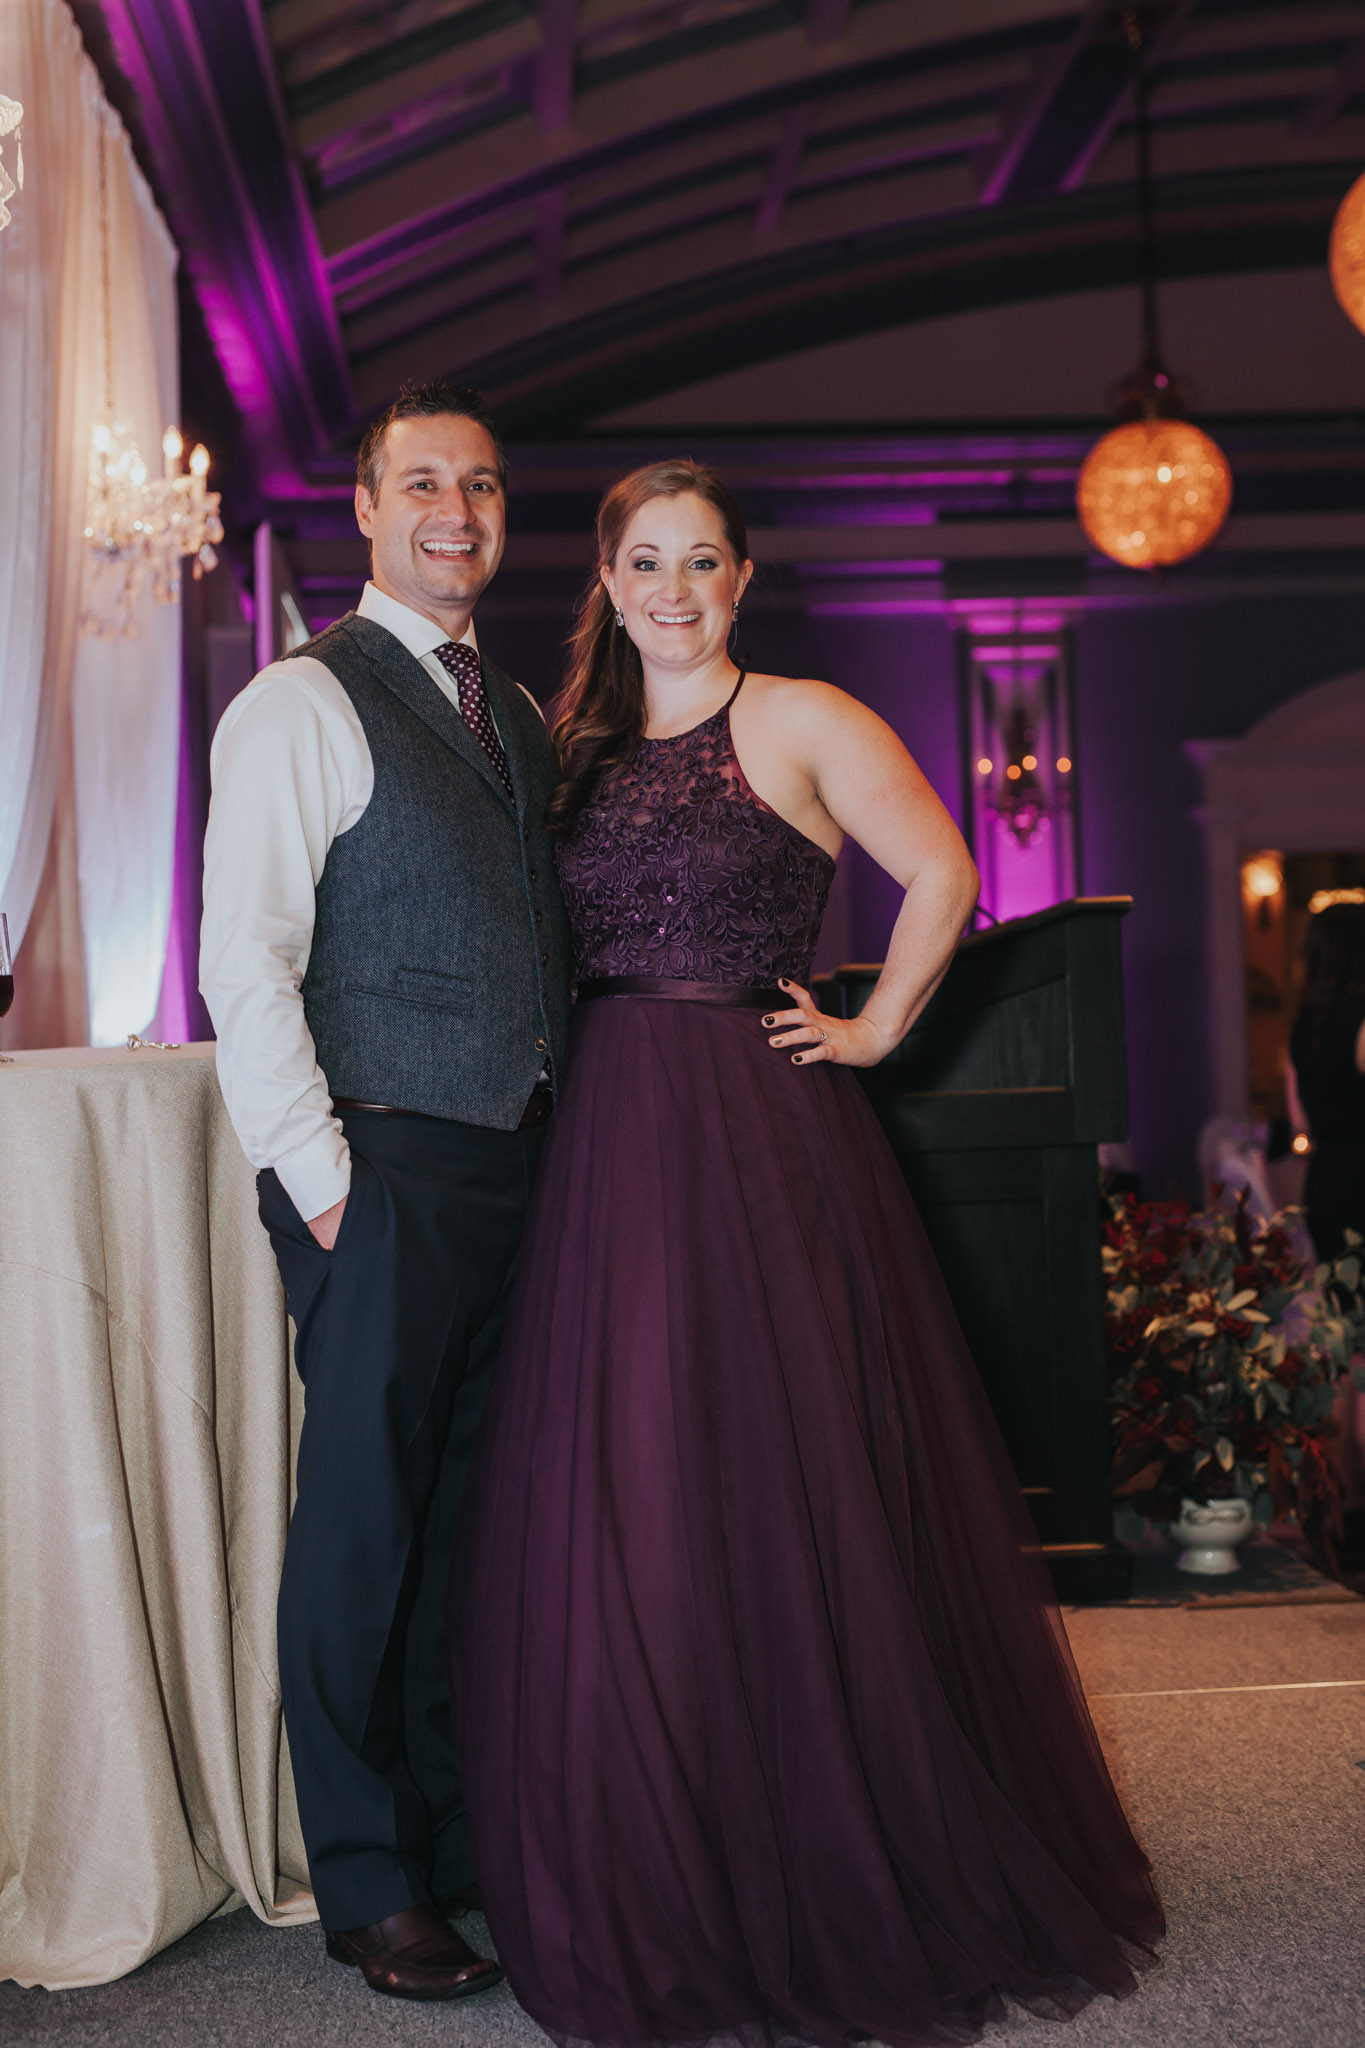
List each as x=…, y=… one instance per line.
x=620, y=616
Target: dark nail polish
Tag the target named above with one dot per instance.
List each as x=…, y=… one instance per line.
x=767, y=1020
x=796, y=1059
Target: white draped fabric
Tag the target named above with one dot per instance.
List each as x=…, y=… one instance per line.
x=114, y=705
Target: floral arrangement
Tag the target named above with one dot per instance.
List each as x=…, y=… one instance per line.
x=1225, y=1352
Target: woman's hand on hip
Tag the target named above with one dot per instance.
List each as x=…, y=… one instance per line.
x=808, y=1035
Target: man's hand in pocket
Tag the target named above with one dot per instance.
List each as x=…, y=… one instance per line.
x=326, y=1226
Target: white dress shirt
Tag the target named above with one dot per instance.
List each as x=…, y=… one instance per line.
x=291, y=769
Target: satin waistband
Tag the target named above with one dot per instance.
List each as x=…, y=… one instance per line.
x=721, y=995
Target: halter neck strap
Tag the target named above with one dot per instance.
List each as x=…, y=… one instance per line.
x=735, y=692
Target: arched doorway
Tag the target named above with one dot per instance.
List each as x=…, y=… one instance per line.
x=1293, y=786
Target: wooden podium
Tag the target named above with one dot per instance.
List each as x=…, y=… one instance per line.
x=994, y=1106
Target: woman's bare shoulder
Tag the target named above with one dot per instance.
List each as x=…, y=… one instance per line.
x=805, y=695
x=805, y=704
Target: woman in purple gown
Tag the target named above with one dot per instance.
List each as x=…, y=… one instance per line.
x=768, y=1721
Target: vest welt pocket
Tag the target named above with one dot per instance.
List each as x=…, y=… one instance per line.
x=425, y=987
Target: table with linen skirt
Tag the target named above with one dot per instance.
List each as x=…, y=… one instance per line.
x=148, y=1422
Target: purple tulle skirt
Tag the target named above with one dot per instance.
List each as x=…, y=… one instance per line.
x=768, y=1722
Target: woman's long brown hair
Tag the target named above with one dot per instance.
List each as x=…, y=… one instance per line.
x=601, y=713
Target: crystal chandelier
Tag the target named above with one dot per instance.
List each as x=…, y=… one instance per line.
x=1019, y=803
x=11, y=115
x=1154, y=490
x=138, y=528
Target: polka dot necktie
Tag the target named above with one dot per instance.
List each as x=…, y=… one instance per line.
x=461, y=664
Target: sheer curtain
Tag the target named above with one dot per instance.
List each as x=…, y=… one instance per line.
x=125, y=703
x=88, y=730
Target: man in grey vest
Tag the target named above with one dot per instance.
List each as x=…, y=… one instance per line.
x=386, y=961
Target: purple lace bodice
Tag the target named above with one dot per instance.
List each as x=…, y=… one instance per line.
x=674, y=867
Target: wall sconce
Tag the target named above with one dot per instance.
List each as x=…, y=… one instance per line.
x=1262, y=881
x=1019, y=759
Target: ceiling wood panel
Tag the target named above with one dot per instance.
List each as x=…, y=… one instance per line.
x=586, y=202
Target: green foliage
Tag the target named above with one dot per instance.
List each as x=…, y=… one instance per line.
x=1225, y=1353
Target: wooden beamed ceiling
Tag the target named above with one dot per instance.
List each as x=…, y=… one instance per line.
x=577, y=204
x=580, y=203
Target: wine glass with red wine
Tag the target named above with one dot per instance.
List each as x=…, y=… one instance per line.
x=6, y=975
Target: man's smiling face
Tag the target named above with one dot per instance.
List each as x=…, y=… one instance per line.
x=437, y=521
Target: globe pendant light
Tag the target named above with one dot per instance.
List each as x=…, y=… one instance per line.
x=1346, y=256
x=1154, y=490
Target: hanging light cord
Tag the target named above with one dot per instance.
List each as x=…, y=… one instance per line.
x=1142, y=131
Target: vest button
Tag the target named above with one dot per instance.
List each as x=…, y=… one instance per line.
x=544, y=959
x=540, y=917
x=542, y=1045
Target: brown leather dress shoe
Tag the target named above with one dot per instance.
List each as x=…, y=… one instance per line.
x=415, y=1954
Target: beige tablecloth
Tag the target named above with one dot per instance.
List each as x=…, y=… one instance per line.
x=147, y=1421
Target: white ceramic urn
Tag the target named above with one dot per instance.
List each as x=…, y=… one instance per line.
x=1210, y=1532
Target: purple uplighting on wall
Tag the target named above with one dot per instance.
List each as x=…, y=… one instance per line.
x=180, y=1015
x=203, y=74
x=903, y=668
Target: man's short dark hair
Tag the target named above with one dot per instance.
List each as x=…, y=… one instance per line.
x=433, y=400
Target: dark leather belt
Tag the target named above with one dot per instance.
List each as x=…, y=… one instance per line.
x=538, y=1110
x=721, y=995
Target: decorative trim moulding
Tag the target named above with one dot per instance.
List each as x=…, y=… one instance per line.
x=966, y=540
x=1293, y=782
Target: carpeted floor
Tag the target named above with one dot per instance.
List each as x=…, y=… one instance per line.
x=1237, y=1736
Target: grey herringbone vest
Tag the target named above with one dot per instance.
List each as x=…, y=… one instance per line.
x=439, y=975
